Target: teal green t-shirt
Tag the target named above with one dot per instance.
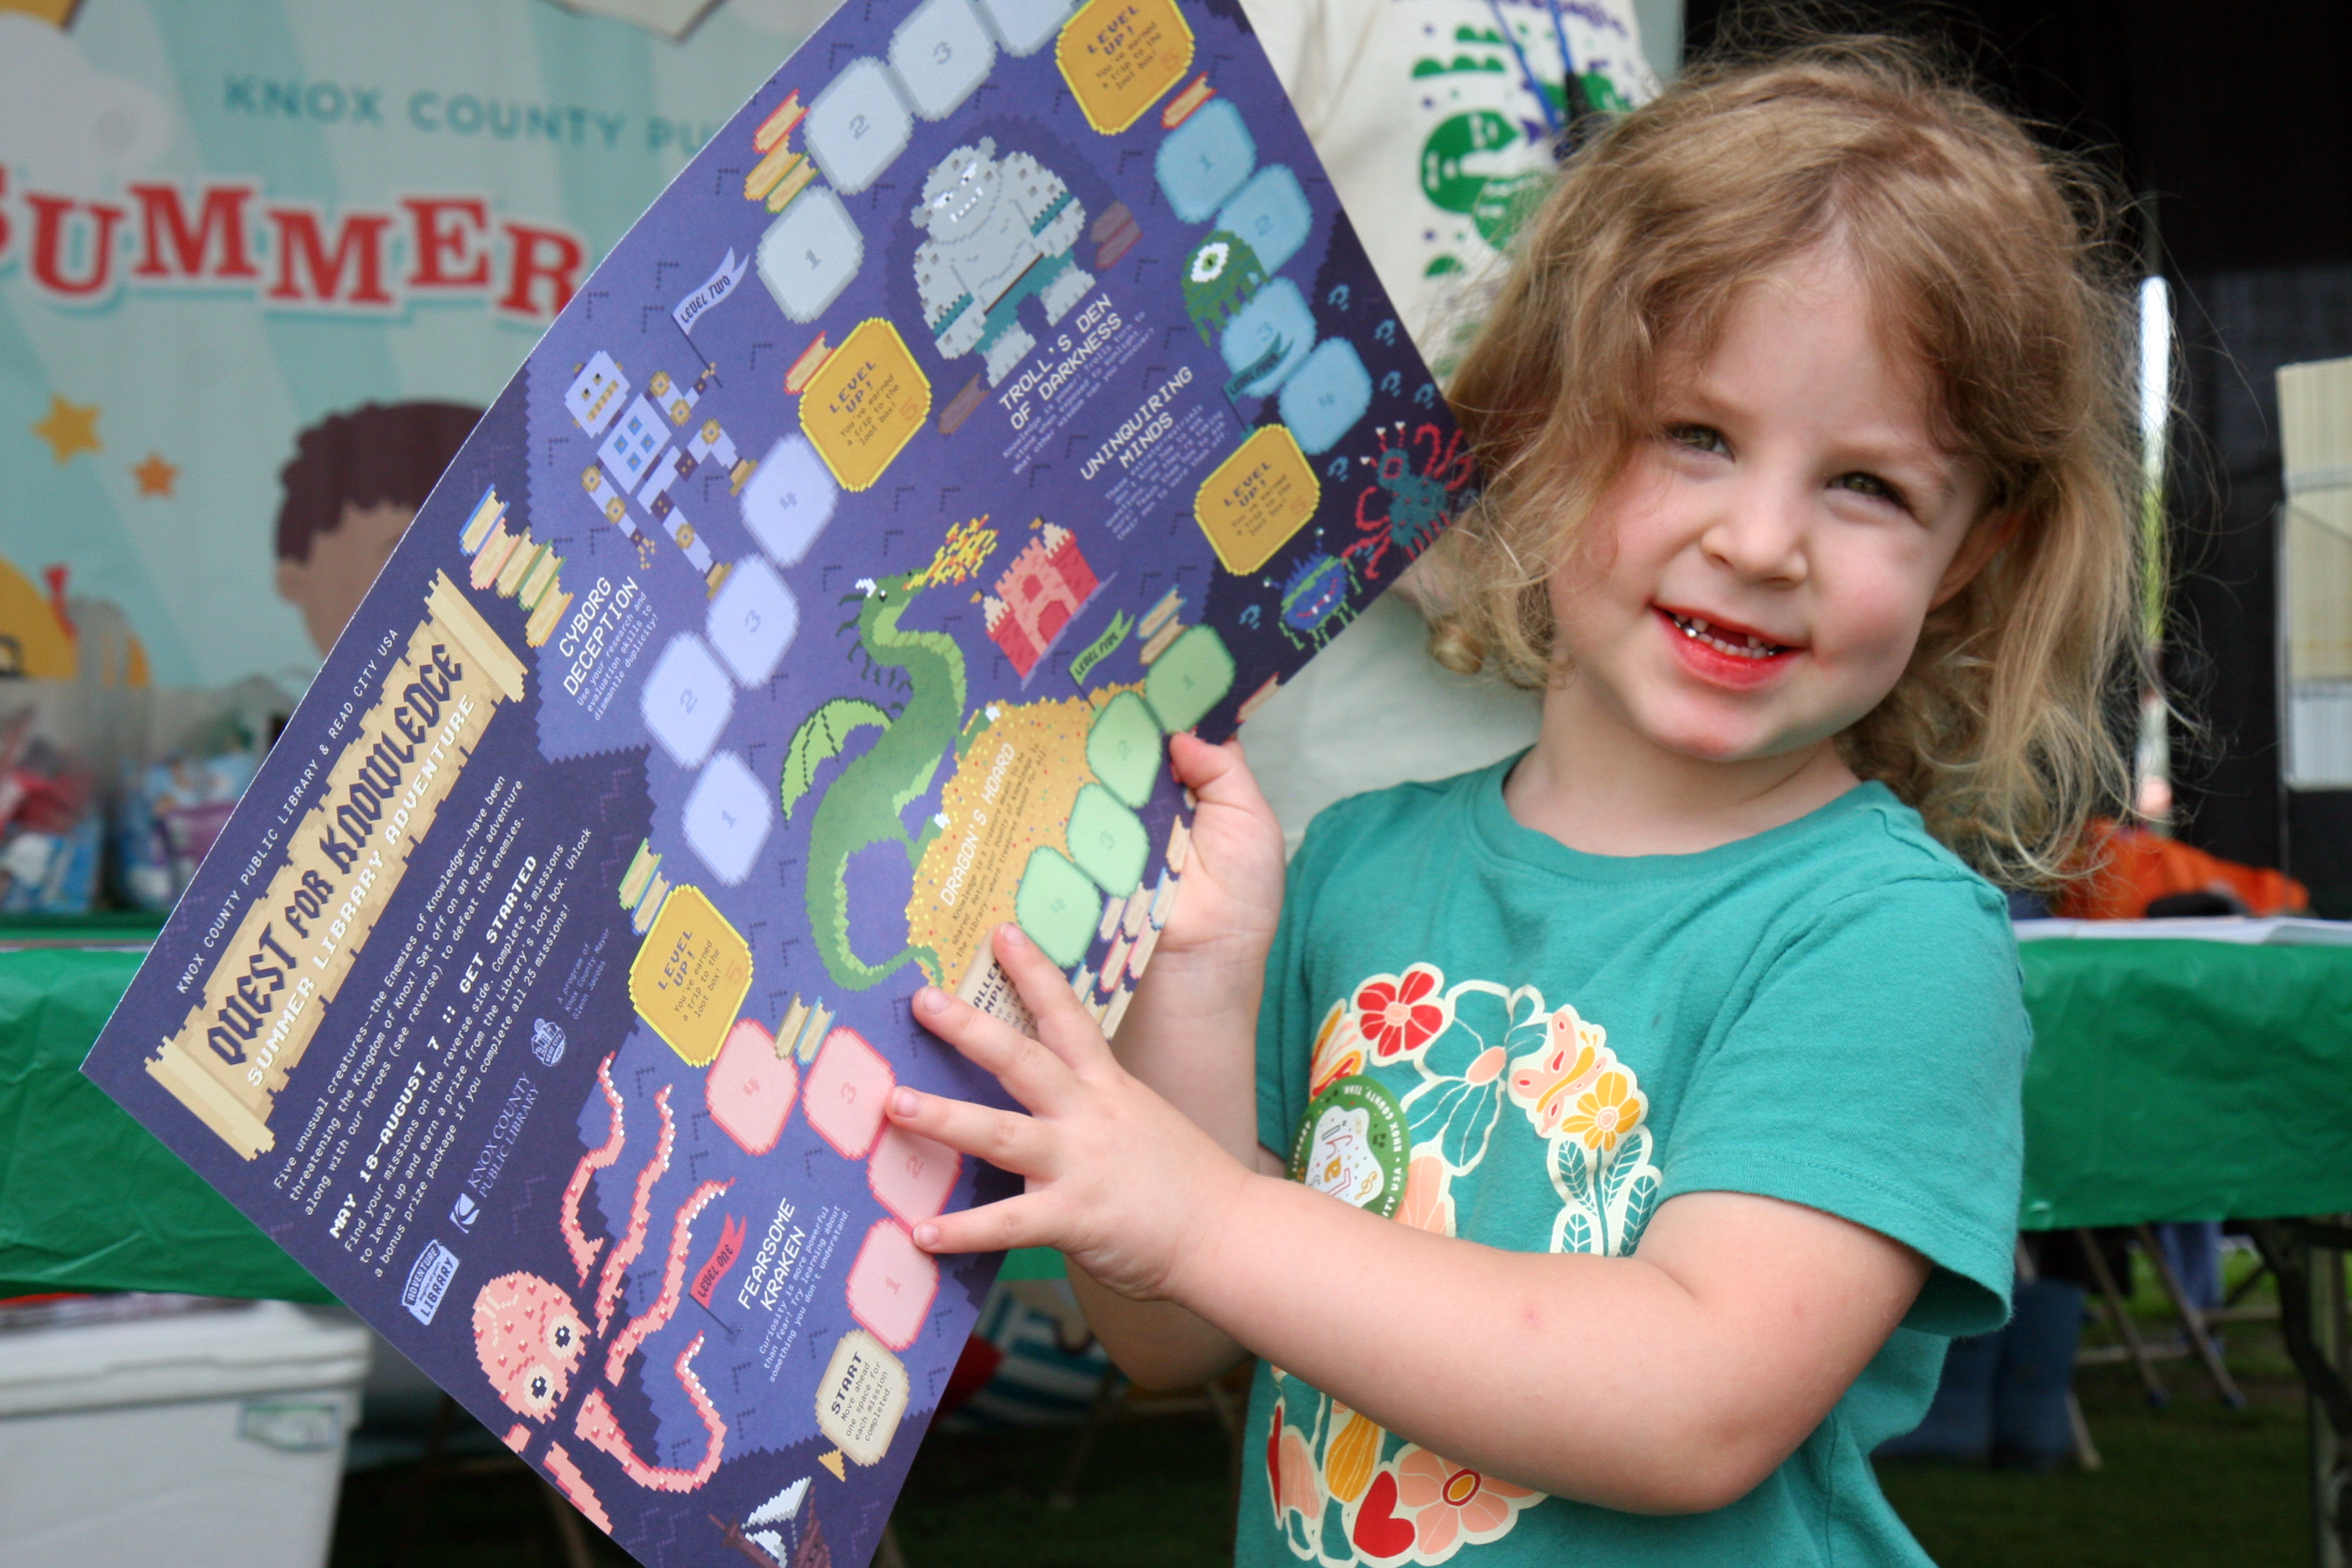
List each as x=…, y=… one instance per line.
x=1473, y=1029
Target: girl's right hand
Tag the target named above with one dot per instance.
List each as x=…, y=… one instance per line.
x=1229, y=894
x=1189, y=1031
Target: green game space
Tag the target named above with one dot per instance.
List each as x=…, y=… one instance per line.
x=1058, y=906
x=1188, y=680
x=1108, y=842
x=1123, y=748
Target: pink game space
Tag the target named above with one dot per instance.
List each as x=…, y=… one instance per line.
x=750, y=1089
x=891, y=1285
x=847, y=1086
x=912, y=1174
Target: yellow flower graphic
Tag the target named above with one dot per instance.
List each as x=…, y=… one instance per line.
x=1607, y=1112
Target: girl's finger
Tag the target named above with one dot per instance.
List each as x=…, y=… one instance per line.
x=996, y=1227
x=1067, y=1029
x=1219, y=774
x=1034, y=1075
x=1007, y=1141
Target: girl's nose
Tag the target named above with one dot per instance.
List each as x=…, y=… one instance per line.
x=1758, y=534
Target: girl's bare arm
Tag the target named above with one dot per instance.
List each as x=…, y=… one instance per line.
x=1671, y=1381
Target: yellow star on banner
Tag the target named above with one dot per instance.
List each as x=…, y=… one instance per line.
x=70, y=427
x=155, y=477
x=56, y=12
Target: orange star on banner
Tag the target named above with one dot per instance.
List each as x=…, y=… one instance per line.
x=70, y=427
x=155, y=477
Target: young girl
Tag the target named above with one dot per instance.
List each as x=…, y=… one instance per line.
x=1668, y=1075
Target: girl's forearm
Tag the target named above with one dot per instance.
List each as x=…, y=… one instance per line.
x=1501, y=1361
x=1158, y=1345
x=1605, y=1379
x=1670, y=1381
x=1191, y=1036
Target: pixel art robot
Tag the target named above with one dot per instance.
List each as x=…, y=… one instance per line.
x=636, y=458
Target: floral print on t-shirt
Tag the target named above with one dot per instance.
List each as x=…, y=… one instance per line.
x=1450, y=1063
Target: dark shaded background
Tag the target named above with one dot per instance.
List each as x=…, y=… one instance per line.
x=2234, y=125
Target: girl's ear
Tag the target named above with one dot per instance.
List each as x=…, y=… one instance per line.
x=1983, y=542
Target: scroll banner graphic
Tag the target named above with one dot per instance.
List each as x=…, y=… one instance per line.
x=721, y=284
x=297, y=940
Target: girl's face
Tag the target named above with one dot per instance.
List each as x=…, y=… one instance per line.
x=1760, y=571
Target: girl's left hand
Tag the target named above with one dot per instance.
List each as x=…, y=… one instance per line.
x=1117, y=1179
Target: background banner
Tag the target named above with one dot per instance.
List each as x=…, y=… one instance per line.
x=262, y=263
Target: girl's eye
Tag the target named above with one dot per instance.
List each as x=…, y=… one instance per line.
x=1874, y=486
x=1697, y=437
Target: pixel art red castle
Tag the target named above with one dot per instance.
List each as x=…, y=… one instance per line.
x=1036, y=596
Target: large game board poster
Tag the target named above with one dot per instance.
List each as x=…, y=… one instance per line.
x=999, y=392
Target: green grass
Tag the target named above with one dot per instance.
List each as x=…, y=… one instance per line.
x=2191, y=1485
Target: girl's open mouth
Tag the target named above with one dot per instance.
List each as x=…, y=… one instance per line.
x=1725, y=656
x=1739, y=645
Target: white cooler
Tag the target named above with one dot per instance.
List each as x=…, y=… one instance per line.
x=204, y=1440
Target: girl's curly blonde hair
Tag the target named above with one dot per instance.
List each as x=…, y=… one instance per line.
x=1984, y=254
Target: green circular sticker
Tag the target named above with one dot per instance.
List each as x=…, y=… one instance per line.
x=1352, y=1143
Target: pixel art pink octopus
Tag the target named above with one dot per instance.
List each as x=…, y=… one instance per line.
x=530, y=1338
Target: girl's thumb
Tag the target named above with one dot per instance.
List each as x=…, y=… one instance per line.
x=1218, y=773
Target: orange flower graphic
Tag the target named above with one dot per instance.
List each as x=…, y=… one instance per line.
x=1339, y=1050
x=1452, y=1502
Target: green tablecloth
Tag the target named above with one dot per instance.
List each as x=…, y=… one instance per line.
x=2170, y=1081
x=2186, y=1081
x=88, y=1201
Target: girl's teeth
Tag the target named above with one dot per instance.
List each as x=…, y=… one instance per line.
x=1750, y=646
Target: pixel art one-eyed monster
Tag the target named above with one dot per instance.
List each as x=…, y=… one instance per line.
x=1001, y=230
